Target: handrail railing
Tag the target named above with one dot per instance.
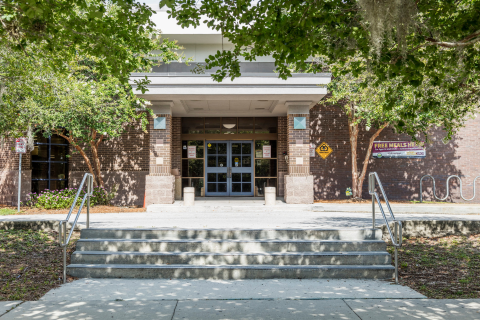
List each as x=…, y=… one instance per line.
x=62, y=226
x=448, y=188
x=396, y=237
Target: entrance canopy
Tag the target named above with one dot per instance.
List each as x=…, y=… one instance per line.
x=254, y=94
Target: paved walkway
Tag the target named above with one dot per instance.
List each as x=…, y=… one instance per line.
x=237, y=300
x=302, y=219
x=358, y=309
x=285, y=289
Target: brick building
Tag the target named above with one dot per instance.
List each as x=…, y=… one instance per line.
x=235, y=138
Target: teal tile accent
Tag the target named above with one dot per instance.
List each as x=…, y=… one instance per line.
x=299, y=122
x=159, y=123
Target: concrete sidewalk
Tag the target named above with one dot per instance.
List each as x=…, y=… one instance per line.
x=284, y=289
x=251, y=220
x=237, y=300
x=359, y=309
x=240, y=204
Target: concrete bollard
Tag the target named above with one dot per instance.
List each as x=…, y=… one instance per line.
x=270, y=196
x=188, y=196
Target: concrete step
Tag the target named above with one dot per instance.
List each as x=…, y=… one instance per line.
x=246, y=246
x=223, y=207
x=247, y=234
x=229, y=272
x=232, y=258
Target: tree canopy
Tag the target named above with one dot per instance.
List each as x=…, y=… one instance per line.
x=83, y=106
x=119, y=33
x=415, y=41
x=368, y=112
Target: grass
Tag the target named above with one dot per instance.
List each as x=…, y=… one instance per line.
x=7, y=211
x=441, y=268
x=30, y=263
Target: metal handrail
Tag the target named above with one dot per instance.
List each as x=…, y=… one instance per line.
x=396, y=237
x=62, y=226
x=448, y=188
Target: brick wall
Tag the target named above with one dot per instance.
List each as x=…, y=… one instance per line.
x=9, y=174
x=298, y=148
x=282, y=146
x=400, y=177
x=161, y=148
x=125, y=163
x=177, y=144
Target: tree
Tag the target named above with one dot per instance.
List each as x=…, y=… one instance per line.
x=119, y=33
x=421, y=42
x=84, y=107
x=366, y=107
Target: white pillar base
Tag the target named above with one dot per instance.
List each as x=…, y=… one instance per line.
x=188, y=196
x=270, y=196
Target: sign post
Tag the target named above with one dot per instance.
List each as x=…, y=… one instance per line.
x=20, y=148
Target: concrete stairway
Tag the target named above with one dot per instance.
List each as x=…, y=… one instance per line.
x=231, y=254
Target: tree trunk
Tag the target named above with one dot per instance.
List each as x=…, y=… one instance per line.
x=353, y=132
x=359, y=177
x=96, y=161
x=82, y=153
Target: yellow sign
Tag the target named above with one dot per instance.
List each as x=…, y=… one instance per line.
x=324, y=150
x=236, y=159
x=209, y=145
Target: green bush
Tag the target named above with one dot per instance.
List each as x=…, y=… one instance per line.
x=63, y=199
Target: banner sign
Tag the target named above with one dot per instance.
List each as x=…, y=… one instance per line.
x=21, y=145
x=192, y=152
x=397, y=149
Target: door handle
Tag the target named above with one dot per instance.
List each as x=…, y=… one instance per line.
x=229, y=172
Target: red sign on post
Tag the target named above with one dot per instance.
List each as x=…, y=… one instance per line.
x=21, y=145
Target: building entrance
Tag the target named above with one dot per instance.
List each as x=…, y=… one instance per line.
x=229, y=169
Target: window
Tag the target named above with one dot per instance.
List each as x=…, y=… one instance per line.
x=49, y=163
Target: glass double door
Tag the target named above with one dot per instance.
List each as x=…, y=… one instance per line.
x=229, y=168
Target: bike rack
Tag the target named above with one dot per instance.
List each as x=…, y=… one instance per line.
x=448, y=188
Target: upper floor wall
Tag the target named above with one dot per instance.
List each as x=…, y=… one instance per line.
x=199, y=42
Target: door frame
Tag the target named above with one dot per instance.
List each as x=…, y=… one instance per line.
x=229, y=170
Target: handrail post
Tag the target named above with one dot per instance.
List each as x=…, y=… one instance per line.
x=396, y=236
x=64, y=252
x=396, y=251
x=373, y=212
x=371, y=190
x=62, y=227
x=89, y=192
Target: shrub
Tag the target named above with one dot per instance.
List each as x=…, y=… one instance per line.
x=63, y=199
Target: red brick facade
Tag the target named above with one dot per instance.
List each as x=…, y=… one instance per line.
x=125, y=163
x=9, y=174
x=400, y=177
x=282, y=146
x=127, y=160
x=298, y=148
x=177, y=145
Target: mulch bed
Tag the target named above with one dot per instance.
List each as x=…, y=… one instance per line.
x=441, y=268
x=31, y=263
x=94, y=209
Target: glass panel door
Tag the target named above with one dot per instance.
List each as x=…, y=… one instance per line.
x=242, y=168
x=216, y=168
x=229, y=168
